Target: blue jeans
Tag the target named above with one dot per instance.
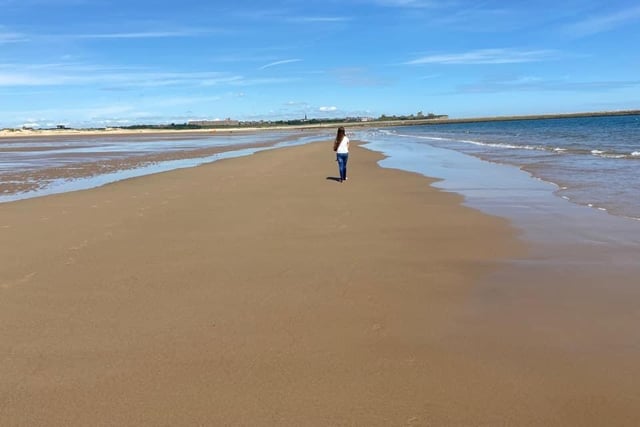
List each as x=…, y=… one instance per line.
x=342, y=165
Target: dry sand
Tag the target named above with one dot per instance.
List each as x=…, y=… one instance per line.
x=260, y=291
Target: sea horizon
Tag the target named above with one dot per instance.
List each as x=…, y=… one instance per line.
x=252, y=126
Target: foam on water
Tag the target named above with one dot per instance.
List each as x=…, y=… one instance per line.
x=507, y=191
x=592, y=160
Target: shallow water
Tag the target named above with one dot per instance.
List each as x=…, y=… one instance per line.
x=559, y=231
x=593, y=161
x=34, y=167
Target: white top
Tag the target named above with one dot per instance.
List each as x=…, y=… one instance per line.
x=344, y=146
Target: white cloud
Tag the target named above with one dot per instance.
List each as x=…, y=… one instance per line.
x=328, y=109
x=273, y=64
x=487, y=56
x=602, y=23
x=28, y=79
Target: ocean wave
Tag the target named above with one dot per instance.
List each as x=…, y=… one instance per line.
x=478, y=143
x=601, y=153
x=613, y=155
x=504, y=145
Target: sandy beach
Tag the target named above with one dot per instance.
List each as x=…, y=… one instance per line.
x=261, y=291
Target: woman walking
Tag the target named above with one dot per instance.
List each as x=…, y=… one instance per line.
x=341, y=147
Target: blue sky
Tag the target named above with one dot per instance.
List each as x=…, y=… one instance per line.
x=87, y=63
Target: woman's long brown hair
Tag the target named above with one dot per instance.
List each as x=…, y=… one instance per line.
x=340, y=135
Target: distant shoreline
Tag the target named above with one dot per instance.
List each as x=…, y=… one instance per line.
x=536, y=117
x=20, y=133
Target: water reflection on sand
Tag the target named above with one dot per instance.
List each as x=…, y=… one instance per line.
x=33, y=167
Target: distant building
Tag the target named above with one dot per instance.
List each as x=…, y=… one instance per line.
x=214, y=123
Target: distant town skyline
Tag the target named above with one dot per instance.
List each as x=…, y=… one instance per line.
x=84, y=63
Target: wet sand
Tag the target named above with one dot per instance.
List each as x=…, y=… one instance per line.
x=92, y=162
x=260, y=291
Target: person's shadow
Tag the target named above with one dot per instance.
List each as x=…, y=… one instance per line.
x=333, y=178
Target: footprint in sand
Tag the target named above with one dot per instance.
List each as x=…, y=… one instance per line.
x=82, y=245
x=12, y=283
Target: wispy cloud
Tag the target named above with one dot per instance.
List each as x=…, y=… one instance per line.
x=274, y=14
x=32, y=3
x=296, y=104
x=11, y=37
x=14, y=75
x=416, y=4
x=535, y=84
x=123, y=112
x=479, y=18
x=488, y=56
x=141, y=35
x=356, y=76
x=430, y=76
x=285, y=61
x=321, y=19
x=242, y=57
x=602, y=23
x=328, y=109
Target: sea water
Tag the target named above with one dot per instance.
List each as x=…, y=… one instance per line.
x=589, y=161
x=28, y=160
